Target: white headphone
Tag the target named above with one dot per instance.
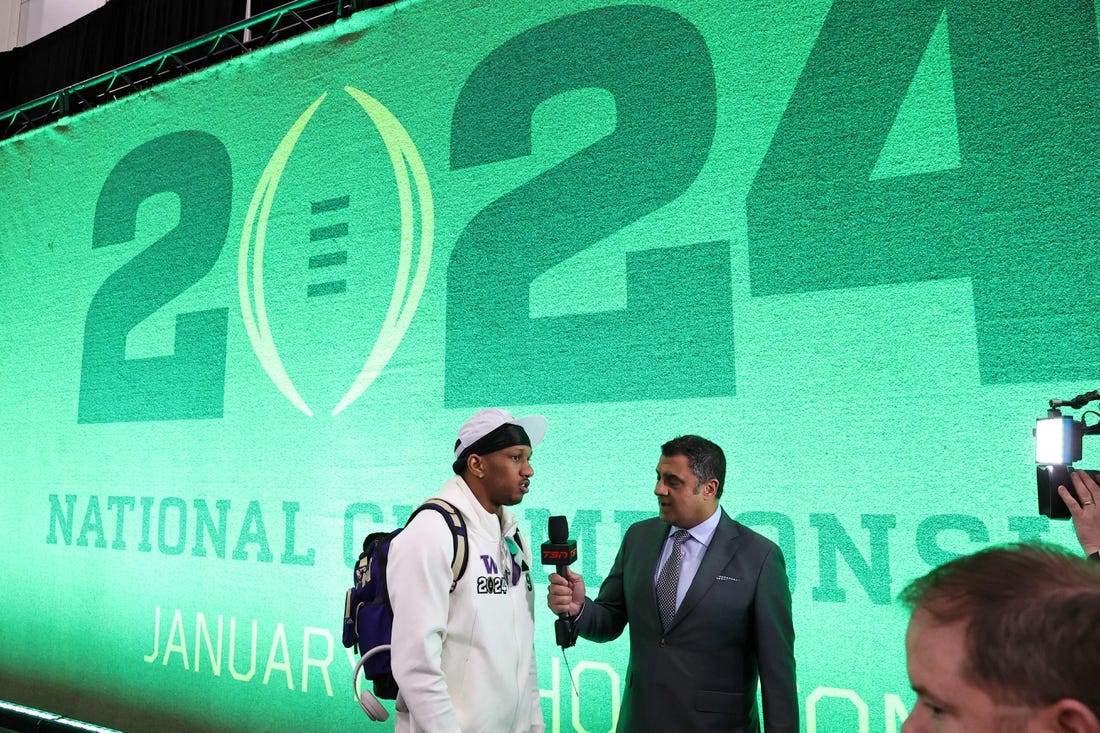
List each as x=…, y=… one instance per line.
x=366, y=698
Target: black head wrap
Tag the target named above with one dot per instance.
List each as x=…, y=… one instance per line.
x=505, y=436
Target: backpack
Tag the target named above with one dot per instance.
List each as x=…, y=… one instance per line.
x=368, y=616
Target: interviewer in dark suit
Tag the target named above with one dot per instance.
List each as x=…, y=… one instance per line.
x=731, y=626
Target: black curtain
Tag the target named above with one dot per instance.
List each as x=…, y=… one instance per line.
x=119, y=33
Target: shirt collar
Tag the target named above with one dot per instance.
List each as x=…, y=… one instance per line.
x=703, y=532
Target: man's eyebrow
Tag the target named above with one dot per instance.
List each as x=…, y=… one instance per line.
x=923, y=691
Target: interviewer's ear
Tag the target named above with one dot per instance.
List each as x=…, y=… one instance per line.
x=1070, y=716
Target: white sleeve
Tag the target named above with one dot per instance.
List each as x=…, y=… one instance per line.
x=538, y=725
x=419, y=579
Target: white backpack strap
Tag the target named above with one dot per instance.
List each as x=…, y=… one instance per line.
x=457, y=525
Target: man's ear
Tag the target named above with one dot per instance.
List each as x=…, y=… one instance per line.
x=475, y=466
x=1070, y=716
x=710, y=488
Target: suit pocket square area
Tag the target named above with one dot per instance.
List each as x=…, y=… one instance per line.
x=726, y=577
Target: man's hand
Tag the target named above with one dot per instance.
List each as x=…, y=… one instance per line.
x=567, y=595
x=1086, y=514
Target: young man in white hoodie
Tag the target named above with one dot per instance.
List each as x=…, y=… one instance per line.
x=465, y=660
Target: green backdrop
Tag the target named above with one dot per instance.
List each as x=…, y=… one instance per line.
x=243, y=315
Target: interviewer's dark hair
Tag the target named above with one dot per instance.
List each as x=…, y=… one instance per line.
x=706, y=459
x=1031, y=613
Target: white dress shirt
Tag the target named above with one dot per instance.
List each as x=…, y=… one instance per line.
x=692, y=552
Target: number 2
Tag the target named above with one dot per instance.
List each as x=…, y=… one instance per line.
x=675, y=336
x=190, y=383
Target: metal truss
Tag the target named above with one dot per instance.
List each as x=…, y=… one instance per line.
x=237, y=39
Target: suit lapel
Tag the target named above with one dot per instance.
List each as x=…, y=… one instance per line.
x=721, y=548
x=649, y=553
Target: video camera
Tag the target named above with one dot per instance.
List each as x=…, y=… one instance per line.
x=1057, y=446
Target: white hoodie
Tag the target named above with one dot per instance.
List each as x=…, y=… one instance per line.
x=464, y=661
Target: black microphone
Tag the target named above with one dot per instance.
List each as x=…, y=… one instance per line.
x=561, y=552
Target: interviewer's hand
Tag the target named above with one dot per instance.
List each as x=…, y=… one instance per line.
x=1086, y=514
x=566, y=596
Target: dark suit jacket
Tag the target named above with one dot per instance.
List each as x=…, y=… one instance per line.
x=733, y=628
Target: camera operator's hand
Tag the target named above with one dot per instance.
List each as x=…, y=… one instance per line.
x=1086, y=514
